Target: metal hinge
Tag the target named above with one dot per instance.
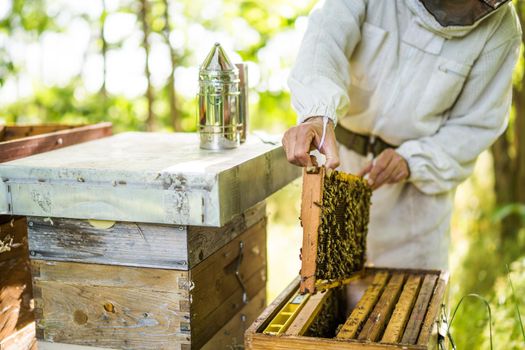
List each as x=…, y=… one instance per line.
x=6, y=202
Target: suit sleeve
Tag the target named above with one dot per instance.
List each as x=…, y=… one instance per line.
x=320, y=78
x=438, y=163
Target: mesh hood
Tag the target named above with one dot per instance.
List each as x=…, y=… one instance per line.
x=449, y=19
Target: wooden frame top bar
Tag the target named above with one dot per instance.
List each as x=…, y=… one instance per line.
x=312, y=197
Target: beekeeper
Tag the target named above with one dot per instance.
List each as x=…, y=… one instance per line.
x=417, y=89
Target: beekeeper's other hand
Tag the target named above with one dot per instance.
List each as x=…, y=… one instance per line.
x=387, y=168
x=299, y=140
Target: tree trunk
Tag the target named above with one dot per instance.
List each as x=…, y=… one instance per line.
x=172, y=96
x=144, y=13
x=509, y=160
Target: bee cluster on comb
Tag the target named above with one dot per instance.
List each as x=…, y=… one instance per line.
x=335, y=211
x=341, y=247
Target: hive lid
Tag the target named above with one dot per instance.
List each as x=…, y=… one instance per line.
x=145, y=177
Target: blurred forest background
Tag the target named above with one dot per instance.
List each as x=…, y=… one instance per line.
x=135, y=63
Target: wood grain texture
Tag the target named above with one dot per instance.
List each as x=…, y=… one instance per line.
x=147, y=308
x=126, y=244
x=19, y=146
x=420, y=309
x=231, y=335
x=111, y=276
x=311, y=200
x=22, y=339
x=396, y=325
x=364, y=307
x=13, y=132
x=429, y=327
x=134, y=244
x=216, y=292
x=45, y=345
x=17, y=328
x=375, y=325
x=111, y=306
x=204, y=241
x=308, y=313
x=261, y=341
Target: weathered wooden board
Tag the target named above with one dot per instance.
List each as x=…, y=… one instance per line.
x=419, y=311
x=125, y=243
x=127, y=307
x=231, y=335
x=133, y=244
x=396, y=325
x=204, y=241
x=217, y=284
x=429, y=327
x=111, y=306
x=364, y=307
x=375, y=325
x=23, y=339
x=45, y=345
x=23, y=141
x=13, y=132
x=16, y=312
x=312, y=197
x=17, y=329
x=176, y=181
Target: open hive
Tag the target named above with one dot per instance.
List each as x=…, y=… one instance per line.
x=334, y=215
x=337, y=303
x=395, y=309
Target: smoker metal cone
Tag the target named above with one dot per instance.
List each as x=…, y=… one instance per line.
x=217, y=61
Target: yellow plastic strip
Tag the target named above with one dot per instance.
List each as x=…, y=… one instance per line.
x=286, y=315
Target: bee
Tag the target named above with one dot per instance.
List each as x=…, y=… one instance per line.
x=345, y=213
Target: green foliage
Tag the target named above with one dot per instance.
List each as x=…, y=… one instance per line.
x=507, y=326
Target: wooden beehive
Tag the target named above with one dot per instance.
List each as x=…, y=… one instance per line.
x=399, y=309
x=145, y=241
x=145, y=286
x=17, y=328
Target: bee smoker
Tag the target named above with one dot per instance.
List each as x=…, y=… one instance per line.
x=220, y=123
x=243, y=102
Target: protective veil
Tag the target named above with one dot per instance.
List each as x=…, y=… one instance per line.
x=461, y=12
x=440, y=93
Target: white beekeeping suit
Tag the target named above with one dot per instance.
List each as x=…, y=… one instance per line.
x=440, y=94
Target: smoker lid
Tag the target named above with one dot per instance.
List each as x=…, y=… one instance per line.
x=218, y=61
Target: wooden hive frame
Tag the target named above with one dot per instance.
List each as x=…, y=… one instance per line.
x=316, y=210
x=399, y=310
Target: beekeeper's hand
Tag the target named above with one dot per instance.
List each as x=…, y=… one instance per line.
x=387, y=168
x=299, y=140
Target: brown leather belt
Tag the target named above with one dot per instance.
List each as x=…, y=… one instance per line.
x=362, y=144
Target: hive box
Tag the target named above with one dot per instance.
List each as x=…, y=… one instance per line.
x=17, y=320
x=399, y=309
x=145, y=241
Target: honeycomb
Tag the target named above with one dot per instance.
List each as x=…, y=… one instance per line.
x=345, y=212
